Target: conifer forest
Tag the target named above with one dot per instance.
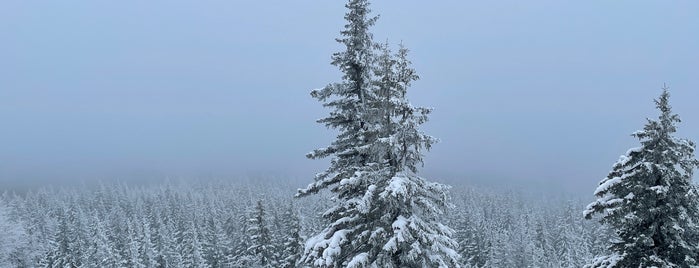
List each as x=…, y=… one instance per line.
x=371, y=203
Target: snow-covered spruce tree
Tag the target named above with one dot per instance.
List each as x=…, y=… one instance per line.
x=349, y=174
x=214, y=243
x=260, y=248
x=649, y=200
x=188, y=244
x=146, y=249
x=65, y=250
x=409, y=204
x=99, y=251
x=237, y=229
x=385, y=215
x=293, y=244
x=350, y=100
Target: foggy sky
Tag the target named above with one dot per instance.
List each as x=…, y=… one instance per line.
x=535, y=92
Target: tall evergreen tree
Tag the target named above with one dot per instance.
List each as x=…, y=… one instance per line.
x=386, y=215
x=348, y=174
x=409, y=205
x=649, y=200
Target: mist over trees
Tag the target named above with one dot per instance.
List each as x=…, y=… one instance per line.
x=370, y=207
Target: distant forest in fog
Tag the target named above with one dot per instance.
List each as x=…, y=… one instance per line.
x=212, y=224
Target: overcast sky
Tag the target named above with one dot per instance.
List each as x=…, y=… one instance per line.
x=540, y=92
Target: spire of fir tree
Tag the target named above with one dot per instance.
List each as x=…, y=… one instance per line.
x=349, y=100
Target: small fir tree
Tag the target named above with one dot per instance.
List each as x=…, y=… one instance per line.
x=260, y=239
x=293, y=243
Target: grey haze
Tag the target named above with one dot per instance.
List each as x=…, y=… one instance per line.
x=535, y=92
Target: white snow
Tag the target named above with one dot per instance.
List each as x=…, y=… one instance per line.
x=659, y=189
x=607, y=184
x=361, y=260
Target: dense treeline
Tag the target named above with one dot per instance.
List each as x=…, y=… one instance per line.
x=513, y=229
x=233, y=225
